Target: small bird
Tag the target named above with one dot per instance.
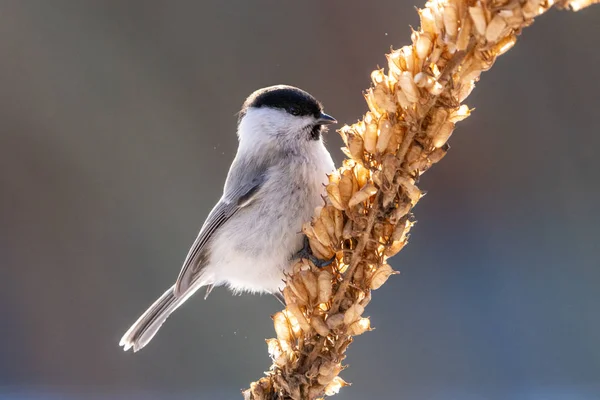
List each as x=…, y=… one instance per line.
x=254, y=232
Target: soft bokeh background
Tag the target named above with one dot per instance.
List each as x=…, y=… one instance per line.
x=117, y=123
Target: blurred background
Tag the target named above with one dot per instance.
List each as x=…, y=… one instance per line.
x=117, y=123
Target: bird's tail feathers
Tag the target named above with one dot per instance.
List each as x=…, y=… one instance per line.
x=144, y=329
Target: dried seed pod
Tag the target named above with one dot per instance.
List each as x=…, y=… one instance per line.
x=346, y=187
x=427, y=21
x=295, y=310
x=390, y=167
x=495, y=29
x=309, y=279
x=423, y=45
x=298, y=289
x=504, y=45
x=330, y=368
x=362, y=174
x=334, y=387
x=394, y=63
x=395, y=139
x=338, y=218
x=479, y=21
x=464, y=36
x=354, y=141
x=394, y=248
x=321, y=232
x=370, y=137
x=372, y=103
x=407, y=60
x=531, y=8
x=282, y=327
x=316, y=321
x=276, y=352
x=423, y=80
x=450, y=17
x=359, y=327
x=465, y=90
x=333, y=193
x=347, y=232
x=438, y=154
x=376, y=176
x=378, y=77
x=443, y=134
x=327, y=215
x=411, y=190
x=324, y=280
x=362, y=195
x=408, y=87
x=334, y=321
x=414, y=153
x=353, y=313
x=401, y=210
x=459, y=114
x=437, y=121
x=384, y=99
x=380, y=276
x=289, y=296
x=402, y=99
x=385, y=134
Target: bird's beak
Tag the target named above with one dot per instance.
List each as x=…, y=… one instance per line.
x=325, y=119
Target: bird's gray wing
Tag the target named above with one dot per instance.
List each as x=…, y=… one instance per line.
x=236, y=197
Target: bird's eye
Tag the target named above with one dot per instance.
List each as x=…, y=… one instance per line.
x=294, y=110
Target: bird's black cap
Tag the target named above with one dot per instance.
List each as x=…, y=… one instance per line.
x=291, y=99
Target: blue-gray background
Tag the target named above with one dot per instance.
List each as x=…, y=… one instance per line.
x=117, y=124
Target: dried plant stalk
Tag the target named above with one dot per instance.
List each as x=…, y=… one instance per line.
x=413, y=109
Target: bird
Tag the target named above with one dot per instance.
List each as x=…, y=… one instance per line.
x=250, y=238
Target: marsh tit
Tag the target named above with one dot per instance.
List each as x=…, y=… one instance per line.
x=274, y=184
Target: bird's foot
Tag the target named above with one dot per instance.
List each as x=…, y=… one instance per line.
x=306, y=253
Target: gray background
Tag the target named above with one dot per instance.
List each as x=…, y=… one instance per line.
x=117, y=124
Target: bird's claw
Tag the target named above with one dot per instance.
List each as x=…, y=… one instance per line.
x=306, y=253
